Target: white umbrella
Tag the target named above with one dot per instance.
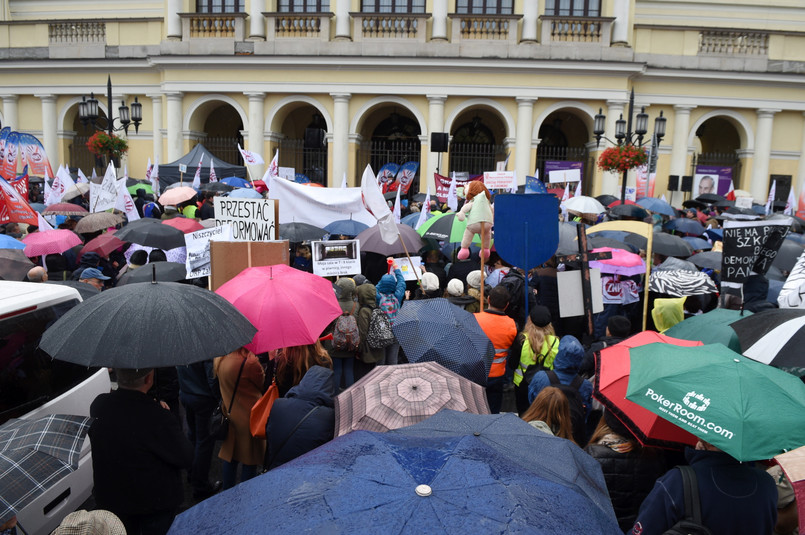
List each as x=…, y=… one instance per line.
x=584, y=205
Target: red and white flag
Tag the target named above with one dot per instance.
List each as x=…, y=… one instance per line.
x=13, y=207
x=197, y=177
x=791, y=202
x=273, y=170
x=213, y=176
x=772, y=195
x=148, y=170
x=397, y=210
x=155, y=177
x=249, y=157
x=82, y=178
x=566, y=194
x=423, y=213
x=376, y=205
x=124, y=202
x=452, y=194
x=730, y=196
x=47, y=190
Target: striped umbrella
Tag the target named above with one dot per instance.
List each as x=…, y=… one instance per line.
x=774, y=337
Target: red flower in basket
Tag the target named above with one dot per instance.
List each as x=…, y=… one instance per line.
x=622, y=158
x=102, y=144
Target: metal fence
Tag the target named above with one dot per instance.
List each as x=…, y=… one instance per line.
x=379, y=152
x=475, y=158
x=310, y=162
x=553, y=153
x=82, y=158
x=225, y=148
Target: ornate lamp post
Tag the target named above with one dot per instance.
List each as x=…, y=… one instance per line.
x=626, y=137
x=88, y=113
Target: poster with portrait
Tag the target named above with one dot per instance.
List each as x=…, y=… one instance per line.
x=711, y=179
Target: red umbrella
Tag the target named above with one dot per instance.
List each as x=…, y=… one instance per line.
x=184, y=224
x=612, y=367
x=289, y=307
x=103, y=244
x=50, y=242
x=617, y=203
x=65, y=208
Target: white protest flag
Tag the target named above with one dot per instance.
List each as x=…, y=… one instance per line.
x=197, y=177
x=663, y=199
x=213, y=176
x=513, y=187
x=790, y=203
x=103, y=196
x=273, y=170
x=94, y=175
x=249, y=157
x=578, y=189
x=126, y=172
x=66, y=181
x=344, y=180
x=566, y=194
x=452, y=194
x=376, y=205
x=124, y=202
x=48, y=192
x=423, y=213
x=397, y=211
x=54, y=194
x=43, y=223
x=772, y=194
x=155, y=177
x=82, y=178
x=148, y=170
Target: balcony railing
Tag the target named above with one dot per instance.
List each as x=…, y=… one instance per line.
x=733, y=43
x=76, y=33
x=298, y=26
x=575, y=30
x=485, y=27
x=409, y=26
x=213, y=26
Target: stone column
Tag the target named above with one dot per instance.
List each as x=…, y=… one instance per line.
x=439, y=14
x=620, y=27
x=256, y=141
x=175, y=134
x=435, y=124
x=760, y=165
x=530, y=20
x=800, y=179
x=342, y=21
x=679, y=146
x=522, y=147
x=257, y=27
x=341, y=137
x=611, y=182
x=49, y=128
x=156, y=119
x=10, y=111
x=174, y=22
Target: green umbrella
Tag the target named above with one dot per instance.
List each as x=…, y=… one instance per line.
x=147, y=187
x=445, y=227
x=710, y=328
x=749, y=410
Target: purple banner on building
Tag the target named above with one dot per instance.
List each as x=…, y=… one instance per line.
x=557, y=171
x=711, y=179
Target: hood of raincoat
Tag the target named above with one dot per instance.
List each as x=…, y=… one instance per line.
x=316, y=386
x=367, y=295
x=387, y=284
x=569, y=355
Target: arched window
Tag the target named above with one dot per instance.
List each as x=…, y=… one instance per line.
x=473, y=148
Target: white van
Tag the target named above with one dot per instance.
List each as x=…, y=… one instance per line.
x=33, y=385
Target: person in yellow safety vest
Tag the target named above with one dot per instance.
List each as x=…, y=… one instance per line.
x=537, y=333
x=502, y=331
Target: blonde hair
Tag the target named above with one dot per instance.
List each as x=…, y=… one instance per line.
x=536, y=336
x=295, y=361
x=551, y=406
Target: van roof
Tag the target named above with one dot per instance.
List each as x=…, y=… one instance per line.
x=19, y=295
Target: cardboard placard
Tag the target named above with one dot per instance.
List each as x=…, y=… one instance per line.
x=288, y=173
x=251, y=219
x=198, y=249
x=750, y=247
x=572, y=302
x=333, y=258
x=228, y=258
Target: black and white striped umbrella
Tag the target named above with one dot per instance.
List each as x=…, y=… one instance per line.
x=680, y=283
x=774, y=337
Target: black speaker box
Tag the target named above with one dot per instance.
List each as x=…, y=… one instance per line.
x=438, y=142
x=687, y=183
x=673, y=182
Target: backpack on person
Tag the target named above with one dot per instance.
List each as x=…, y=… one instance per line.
x=691, y=523
x=514, y=282
x=578, y=412
x=379, y=334
x=390, y=306
x=346, y=336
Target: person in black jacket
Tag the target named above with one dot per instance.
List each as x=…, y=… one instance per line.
x=618, y=329
x=138, y=454
x=302, y=420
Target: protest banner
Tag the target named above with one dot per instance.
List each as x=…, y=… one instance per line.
x=334, y=258
x=498, y=179
x=198, y=249
x=750, y=247
x=103, y=196
x=570, y=288
x=319, y=206
x=251, y=219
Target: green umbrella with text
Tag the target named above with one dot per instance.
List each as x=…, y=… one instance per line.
x=747, y=409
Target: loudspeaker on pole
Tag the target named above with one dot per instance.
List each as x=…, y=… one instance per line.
x=438, y=142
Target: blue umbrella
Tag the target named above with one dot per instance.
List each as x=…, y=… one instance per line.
x=7, y=242
x=698, y=243
x=658, y=206
x=552, y=458
x=244, y=193
x=383, y=483
x=715, y=234
x=437, y=331
x=237, y=182
x=346, y=227
x=684, y=225
x=449, y=249
x=412, y=219
x=38, y=206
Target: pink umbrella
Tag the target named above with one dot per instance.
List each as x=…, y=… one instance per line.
x=621, y=263
x=178, y=195
x=289, y=307
x=49, y=242
x=184, y=224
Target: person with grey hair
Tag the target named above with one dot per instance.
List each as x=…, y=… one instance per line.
x=37, y=274
x=138, y=454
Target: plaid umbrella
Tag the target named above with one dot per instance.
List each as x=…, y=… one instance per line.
x=436, y=330
x=14, y=265
x=36, y=454
x=390, y=397
x=50, y=242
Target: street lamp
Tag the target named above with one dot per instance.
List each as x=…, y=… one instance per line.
x=88, y=113
x=625, y=136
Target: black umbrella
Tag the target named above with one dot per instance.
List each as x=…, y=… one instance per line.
x=692, y=203
x=774, y=337
x=684, y=225
x=84, y=290
x=711, y=198
x=159, y=271
x=300, y=232
x=787, y=255
x=14, y=265
x=796, y=223
x=151, y=233
x=664, y=244
x=598, y=242
x=707, y=259
x=629, y=210
x=148, y=326
x=372, y=242
x=434, y=330
x=606, y=200
x=217, y=187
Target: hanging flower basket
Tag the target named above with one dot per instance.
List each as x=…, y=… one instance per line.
x=102, y=144
x=622, y=158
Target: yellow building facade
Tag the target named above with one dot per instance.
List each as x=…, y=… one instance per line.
x=335, y=85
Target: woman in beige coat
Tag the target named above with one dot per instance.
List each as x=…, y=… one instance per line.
x=240, y=447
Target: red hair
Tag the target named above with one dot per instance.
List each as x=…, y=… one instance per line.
x=474, y=188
